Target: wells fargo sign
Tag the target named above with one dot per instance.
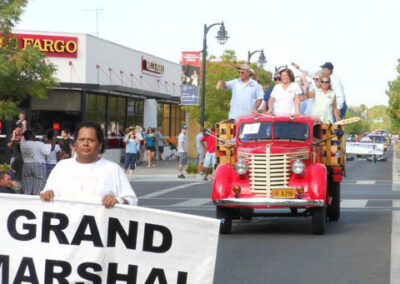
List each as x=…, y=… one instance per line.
x=51, y=46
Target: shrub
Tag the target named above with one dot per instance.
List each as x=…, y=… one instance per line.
x=191, y=168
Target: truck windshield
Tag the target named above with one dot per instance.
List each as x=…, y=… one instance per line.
x=291, y=131
x=255, y=131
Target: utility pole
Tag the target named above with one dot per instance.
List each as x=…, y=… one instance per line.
x=97, y=10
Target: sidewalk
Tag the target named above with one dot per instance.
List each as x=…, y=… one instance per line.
x=163, y=171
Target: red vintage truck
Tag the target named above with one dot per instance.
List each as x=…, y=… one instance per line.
x=278, y=162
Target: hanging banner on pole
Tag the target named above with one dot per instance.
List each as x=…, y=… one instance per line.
x=190, y=78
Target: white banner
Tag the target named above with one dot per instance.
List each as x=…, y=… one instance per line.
x=364, y=148
x=65, y=242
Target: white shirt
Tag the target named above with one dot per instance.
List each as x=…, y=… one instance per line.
x=284, y=98
x=34, y=151
x=182, y=143
x=52, y=157
x=337, y=88
x=74, y=181
x=244, y=97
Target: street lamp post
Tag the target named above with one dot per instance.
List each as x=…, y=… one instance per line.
x=261, y=59
x=222, y=37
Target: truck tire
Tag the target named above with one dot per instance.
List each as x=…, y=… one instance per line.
x=333, y=211
x=319, y=220
x=225, y=216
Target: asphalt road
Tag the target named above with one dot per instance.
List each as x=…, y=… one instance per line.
x=356, y=249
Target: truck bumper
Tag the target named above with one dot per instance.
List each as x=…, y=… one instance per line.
x=269, y=202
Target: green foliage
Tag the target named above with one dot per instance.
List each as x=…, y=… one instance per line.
x=23, y=73
x=191, y=168
x=394, y=101
x=217, y=101
x=4, y=167
x=10, y=13
x=359, y=127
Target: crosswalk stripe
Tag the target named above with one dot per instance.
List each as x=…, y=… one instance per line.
x=168, y=190
x=194, y=202
x=366, y=182
x=355, y=203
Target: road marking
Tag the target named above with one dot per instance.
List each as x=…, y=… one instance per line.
x=395, y=249
x=168, y=190
x=370, y=182
x=353, y=203
x=194, y=202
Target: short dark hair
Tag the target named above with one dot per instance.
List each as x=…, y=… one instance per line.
x=3, y=174
x=50, y=134
x=66, y=130
x=29, y=135
x=99, y=133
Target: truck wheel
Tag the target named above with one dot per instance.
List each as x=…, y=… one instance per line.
x=319, y=220
x=333, y=211
x=225, y=216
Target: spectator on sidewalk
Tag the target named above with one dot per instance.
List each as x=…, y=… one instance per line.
x=55, y=153
x=201, y=151
x=150, y=145
x=268, y=92
x=6, y=185
x=131, y=152
x=209, y=143
x=16, y=137
x=182, y=151
x=34, y=170
x=140, y=133
x=66, y=144
x=88, y=177
x=21, y=119
x=160, y=143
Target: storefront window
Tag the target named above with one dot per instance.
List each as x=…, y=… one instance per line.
x=116, y=121
x=135, y=112
x=96, y=109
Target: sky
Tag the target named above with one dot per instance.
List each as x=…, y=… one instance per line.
x=360, y=37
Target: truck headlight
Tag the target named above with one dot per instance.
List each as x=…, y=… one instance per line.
x=298, y=167
x=241, y=168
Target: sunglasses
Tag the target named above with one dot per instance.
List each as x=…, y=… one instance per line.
x=277, y=78
x=241, y=72
x=325, y=82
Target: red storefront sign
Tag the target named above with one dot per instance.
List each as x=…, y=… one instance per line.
x=51, y=46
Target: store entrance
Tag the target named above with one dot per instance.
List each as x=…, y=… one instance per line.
x=41, y=121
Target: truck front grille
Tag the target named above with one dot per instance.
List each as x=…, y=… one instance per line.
x=268, y=171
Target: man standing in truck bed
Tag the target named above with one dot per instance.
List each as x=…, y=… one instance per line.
x=247, y=94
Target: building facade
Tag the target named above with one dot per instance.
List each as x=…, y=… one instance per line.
x=105, y=82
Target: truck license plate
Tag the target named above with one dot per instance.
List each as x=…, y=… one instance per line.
x=283, y=193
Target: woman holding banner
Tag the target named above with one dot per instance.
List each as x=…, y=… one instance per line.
x=88, y=177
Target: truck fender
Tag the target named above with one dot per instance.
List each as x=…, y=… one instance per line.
x=318, y=182
x=223, y=179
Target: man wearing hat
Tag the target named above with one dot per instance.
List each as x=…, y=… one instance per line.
x=247, y=94
x=337, y=88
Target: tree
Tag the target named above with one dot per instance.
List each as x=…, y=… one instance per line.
x=23, y=73
x=394, y=101
x=217, y=101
